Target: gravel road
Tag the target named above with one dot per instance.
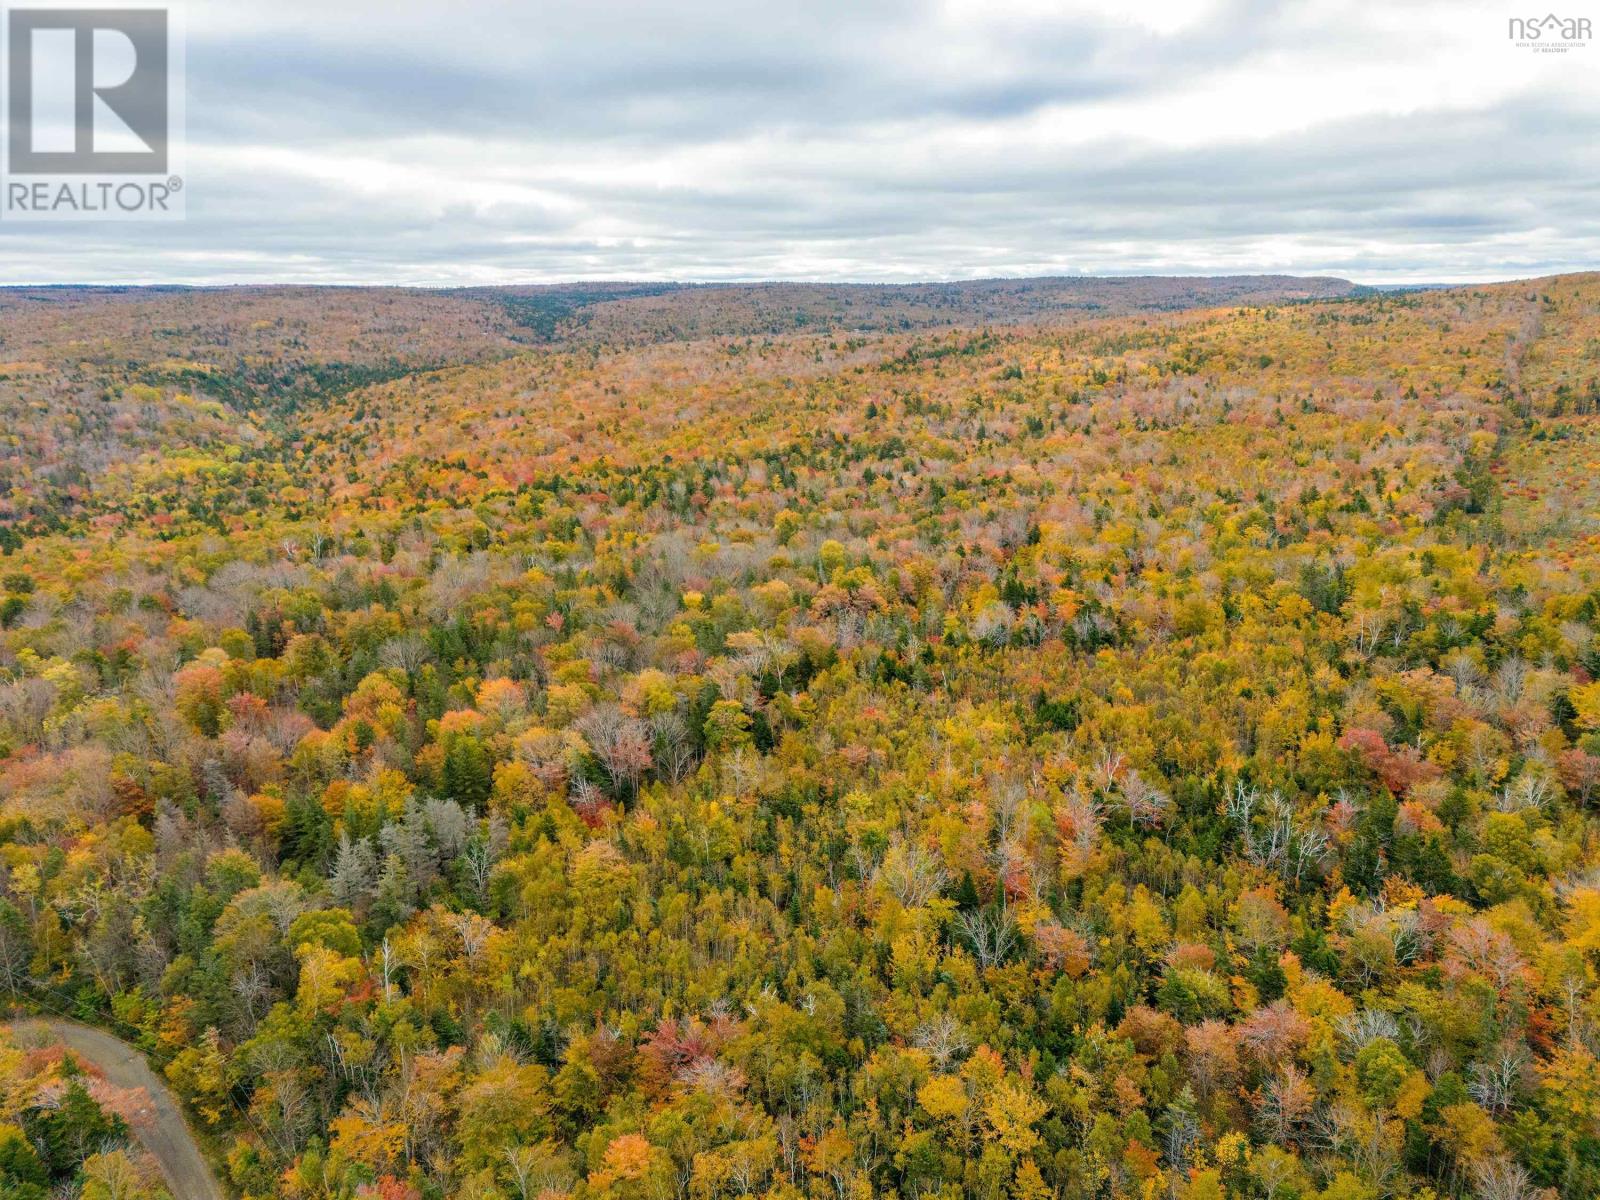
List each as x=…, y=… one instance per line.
x=166, y=1135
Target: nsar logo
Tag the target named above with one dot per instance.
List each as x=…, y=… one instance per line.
x=1550, y=34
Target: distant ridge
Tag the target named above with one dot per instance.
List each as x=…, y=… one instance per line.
x=508, y=316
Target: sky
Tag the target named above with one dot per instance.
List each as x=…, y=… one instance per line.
x=477, y=142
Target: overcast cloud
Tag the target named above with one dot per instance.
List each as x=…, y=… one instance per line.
x=478, y=142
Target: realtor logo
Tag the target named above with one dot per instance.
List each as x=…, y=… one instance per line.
x=88, y=91
x=93, y=108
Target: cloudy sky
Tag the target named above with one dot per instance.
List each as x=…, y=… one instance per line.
x=396, y=141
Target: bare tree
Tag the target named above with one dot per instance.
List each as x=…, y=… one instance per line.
x=538, y=1169
x=943, y=1039
x=408, y=653
x=912, y=874
x=621, y=743
x=474, y=932
x=252, y=986
x=1497, y=1080
x=1502, y=1179
x=1286, y=1103
x=992, y=935
x=1147, y=804
x=672, y=749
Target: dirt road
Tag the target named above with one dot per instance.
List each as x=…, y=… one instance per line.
x=167, y=1135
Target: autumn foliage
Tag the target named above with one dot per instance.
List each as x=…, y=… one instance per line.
x=742, y=743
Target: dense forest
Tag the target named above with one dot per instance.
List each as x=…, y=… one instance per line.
x=999, y=741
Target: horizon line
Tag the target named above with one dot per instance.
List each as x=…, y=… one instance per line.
x=1420, y=282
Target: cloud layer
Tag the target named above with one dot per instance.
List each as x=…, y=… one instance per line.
x=860, y=139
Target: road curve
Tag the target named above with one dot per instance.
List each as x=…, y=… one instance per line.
x=167, y=1136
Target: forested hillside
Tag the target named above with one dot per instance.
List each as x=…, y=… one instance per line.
x=993, y=740
x=113, y=397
